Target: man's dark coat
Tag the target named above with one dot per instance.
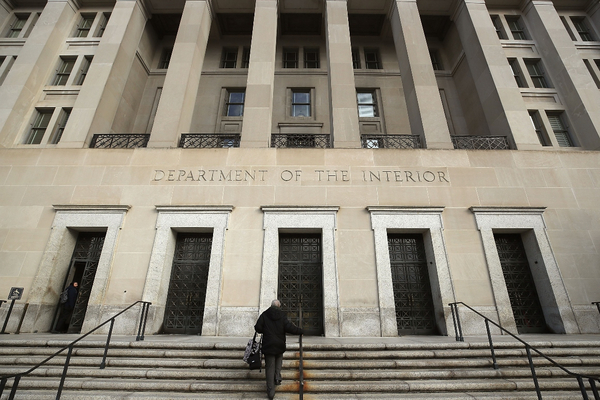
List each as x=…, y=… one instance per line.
x=273, y=324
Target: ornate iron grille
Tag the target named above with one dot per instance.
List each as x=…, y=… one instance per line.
x=86, y=255
x=119, y=141
x=301, y=141
x=184, y=311
x=522, y=292
x=480, y=142
x=410, y=280
x=301, y=279
x=202, y=140
x=391, y=141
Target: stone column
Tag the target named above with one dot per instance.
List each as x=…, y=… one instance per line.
x=569, y=74
x=176, y=107
x=99, y=98
x=5, y=10
x=258, y=107
x=29, y=73
x=425, y=109
x=344, y=112
x=500, y=97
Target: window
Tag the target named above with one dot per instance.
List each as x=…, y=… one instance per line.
x=537, y=125
x=301, y=103
x=165, y=58
x=234, y=106
x=436, y=61
x=560, y=130
x=102, y=25
x=311, y=58
x=83, y=70
x=536, y=72
x=367, y=104
x=60, y=128
x=372, y=59
x=516, y=27
x=39, y=126
x=516, y=70
x=498, y=25
x=17, y=26
x=290, y=58
x=582, y=29
x=355, y=58
x=246, y=57
x=85, y=24
x=5, y=65
x=64, y=71
x=229, y=57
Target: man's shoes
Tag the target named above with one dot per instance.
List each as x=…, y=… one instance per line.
x=278, y=382
x=271, y=394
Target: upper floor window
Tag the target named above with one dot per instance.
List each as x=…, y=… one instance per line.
x=560, y=130
x=582, y=29
x=85, y=24
x=301, y=102
x=39, y=126
x=536, y=72
x=372, y=59
x=17, y=26
x=537, y=126
x=103, y=22
x=83, y=69
x=246, y=57
x=355, y=58
x=5, y=66
x=516, y=70
x=229, y=57
x=64, y=71
x=436, y=61
x=63, y=118
x=498, y=26
x=234, y=106
x=165, y=58
x=367, y=104
x=91, y=25
x=311, y=58
x=516, y=27
x=290, y=58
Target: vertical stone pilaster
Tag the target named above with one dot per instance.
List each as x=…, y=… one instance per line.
x=570, y=75
x=344, y=113
x=5, y=10
x=99, y=98
x=501, y=99
x=425, y=109
x=28, y=74
x=176, y=107
x=258, y=107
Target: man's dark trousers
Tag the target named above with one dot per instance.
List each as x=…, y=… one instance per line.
x=273, y=365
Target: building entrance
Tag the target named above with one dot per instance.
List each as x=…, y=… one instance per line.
x=82, y=270
x=522, y=292
x=415, y=313
x=301, y=279
x=184, y=311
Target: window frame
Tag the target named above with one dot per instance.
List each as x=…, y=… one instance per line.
x=436, y=60
x=314, y=52
x=497, y=22
x=517, y=72
x=63, y=119
x=563, y=135
x=516, y=25
x=245, y=57
x=297, y=103
x=165, y=58
x=372, y=64
x=229, y=103
x=356, y=64
x=290, y=62
x=582, y=28
x=373, y=104
x=84, y=67
x=64, y=70
x=41, y=121
x=537, y=73
x=229, y=57
x=81, y=28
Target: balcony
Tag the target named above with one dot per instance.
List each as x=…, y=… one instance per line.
x=209, y=141
x=390, y=141
x=319, y=141
x=480, y=142
x=119, y=140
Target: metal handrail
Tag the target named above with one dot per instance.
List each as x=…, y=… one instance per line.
x=459, y=338
x=301, y=364
x=140, y=336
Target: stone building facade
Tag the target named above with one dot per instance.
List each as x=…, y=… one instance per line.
x=368, y=162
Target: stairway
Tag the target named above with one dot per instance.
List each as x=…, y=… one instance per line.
x=192, y=367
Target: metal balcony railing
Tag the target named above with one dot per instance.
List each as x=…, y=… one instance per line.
x=480, y=142
x=321, y=141
x=209, y=140
x=119, y=140
x=390, y=141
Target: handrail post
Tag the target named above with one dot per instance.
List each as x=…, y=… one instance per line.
x=533, y=374
x=582, y=388
x=11, y=396
x=594, y=389
x=2, y=385
x=64, y=374
x=143, y=321
x=112, y=324
x=456, y=319
x=489, y=334
x=301, y=364
x=12, y=304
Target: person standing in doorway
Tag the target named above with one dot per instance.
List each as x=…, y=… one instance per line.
x=274, y=324
x=67, y=307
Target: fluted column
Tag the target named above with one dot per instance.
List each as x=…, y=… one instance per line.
x=344, y=113
x=423, y=101
x=500, y=97
x=570, y=76
x=176, y=107
x=100, y=96
x=27, y=77
x=258, y=107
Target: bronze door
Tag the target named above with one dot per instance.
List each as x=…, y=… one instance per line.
x=415, y=313
x=301, y=280
x=84, y=264
x=184, y=311
x=522, y=292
